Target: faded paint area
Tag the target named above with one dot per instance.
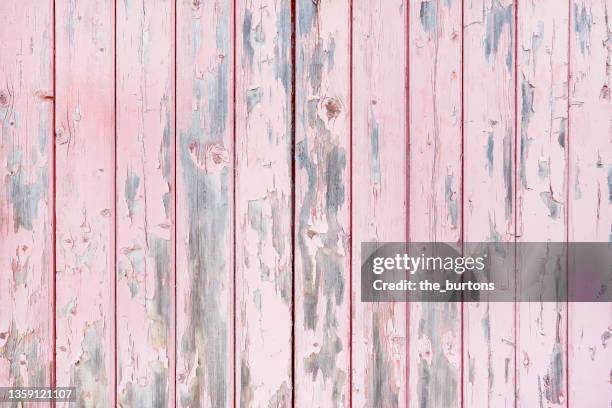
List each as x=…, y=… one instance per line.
x=489, y=188
x=590, y=214
x=91, y=361
x=435, y=192
x=379, y=187
x=26, y=135
x=22, y=362
x=439, y=356
x=205, y=338
x=322, y=204
x=85, y=200
x=379, y=388
x=204, y=175
x=263, y=203
x=541, y=194
x=145, y=207
x=25, y=195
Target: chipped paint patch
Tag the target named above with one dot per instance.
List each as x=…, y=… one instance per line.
x=451, y=200
x=490, y=147
x=374, y=152
x=498, y=20
x=583, y=20
x=508, y=168
x=428, y=15
x=543, y=169
x=610, y=184
x=552, y=205
x=132, y=182
x=25, y=195
x=527, y=95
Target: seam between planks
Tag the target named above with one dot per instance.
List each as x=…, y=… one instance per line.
x=53, y=212
x=234, y=217
x=462, y=187
x=407, y=192
x=350, y=185
x=567, y=200
x=515, y=209
x=113, y=280
x=293, y=200
x=173, y=393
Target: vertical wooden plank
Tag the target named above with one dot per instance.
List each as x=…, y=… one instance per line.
x=85, y=140
x=590, y=190
x=145, y=203
x=542, y=90
x=264, y=203
x=322, y=188
x=205, y=148
x=26, y=193
x=379, y=348
x=489, y=191
x=435, y=191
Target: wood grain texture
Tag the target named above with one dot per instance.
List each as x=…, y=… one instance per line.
x=264, y=207
x=207, y=240
x=85, y=200
x=379, y=341
x=145, y=203
x=26, y=193
x=489, y=188
x=204, y=204
x=435, y=191
x=542, y=90
x=322, y=189
x=590, y=191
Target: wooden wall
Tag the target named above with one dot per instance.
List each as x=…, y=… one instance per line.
x=185, y=185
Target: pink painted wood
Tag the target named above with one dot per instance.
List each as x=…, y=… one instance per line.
x=264, y=208
x=435, y=191
x=489, y=193
x=379, y=335
x=207, y=244
x=85, y=199
x=590, y=191
x=26, y=193
x=145, y=203
x=204, y=149
x=541, y=183
x=322, y=213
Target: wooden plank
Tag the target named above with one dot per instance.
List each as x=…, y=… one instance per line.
x=145, y=203
x=85, y=139
x=489, y=192
x=26, y=193
x=590, y=191
x=379, y=343
x=542, y=89
x=435, y=191
x=264, y=208
x=322, y=190
x=205, y=149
